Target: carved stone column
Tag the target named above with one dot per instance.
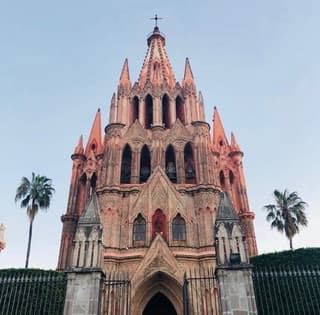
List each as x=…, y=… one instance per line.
x=142, y=111
x=180, y=166
x=172, y=108
x=135, y=167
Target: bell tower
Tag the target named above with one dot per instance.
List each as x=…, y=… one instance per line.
x=156, y=179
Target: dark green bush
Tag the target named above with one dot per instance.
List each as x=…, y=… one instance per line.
x=298, y=257
x=32, y=291
x=287, y=282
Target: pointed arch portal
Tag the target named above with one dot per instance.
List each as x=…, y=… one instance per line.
x=157, y=293
x=160, y=305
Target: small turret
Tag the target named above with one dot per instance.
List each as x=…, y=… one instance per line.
x=235, y=152
x=233, y=271
x=219, y=137
x=125, y=76
x=230, y=246
x=188, y=79
x=88, y=235
x=95, y=139
x=113, y=110
x=79, y=148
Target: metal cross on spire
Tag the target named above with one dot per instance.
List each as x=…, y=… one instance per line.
x=156, y=18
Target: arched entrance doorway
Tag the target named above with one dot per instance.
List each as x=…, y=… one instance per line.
x=154, y=291
x=159, y=305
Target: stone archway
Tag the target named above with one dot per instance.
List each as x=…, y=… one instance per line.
x=160, y=287
x=160, y=305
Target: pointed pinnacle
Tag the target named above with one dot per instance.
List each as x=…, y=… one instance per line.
x=188, y=76
x=113, y=100
x=95, y=139
x=219, y=136
x=79, y=148
x=125, y=76
x=234, y=144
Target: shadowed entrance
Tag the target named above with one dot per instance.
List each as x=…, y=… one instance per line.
x=159, y=305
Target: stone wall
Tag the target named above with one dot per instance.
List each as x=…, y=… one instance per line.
x=236, y=291
x=84, y=291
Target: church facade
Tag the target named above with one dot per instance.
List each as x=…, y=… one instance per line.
x=158, y=199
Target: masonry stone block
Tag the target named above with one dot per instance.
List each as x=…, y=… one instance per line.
x=83, y=295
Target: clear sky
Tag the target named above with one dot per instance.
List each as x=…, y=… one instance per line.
x=257, y=61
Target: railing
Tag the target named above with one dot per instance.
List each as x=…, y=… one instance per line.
x=27, y=294
x=287, y=290
x=117, y=294
x=200, y=293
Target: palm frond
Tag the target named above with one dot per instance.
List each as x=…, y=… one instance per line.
x=35, y=194
x=22, y=189
x=288, y=212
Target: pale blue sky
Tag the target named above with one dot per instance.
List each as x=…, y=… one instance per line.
x=257, y=61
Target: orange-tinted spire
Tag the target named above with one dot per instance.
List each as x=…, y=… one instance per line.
x=113, y=110
x=156, y=67
x=95, y=139
x=188, y=78
x=219, y=136
x=79, y=148
x=125, y=76
x=234, y=144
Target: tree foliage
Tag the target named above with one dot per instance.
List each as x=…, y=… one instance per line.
x=33, y=195
x=287, y=214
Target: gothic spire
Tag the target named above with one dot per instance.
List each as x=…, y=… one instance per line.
x=95, y=139
x=113, y=109
x=234, y=144
x=79, y=148
x=90, y=215
x=226, y=211
x=156, y=68
x=219, y=136
x=188, y=78
x=125, y=76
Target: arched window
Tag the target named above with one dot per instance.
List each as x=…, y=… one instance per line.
x=189, y=164
x=125, y=176
x=179, y=228
x=134, y=109
x=139, y=228
x=159, y=224
x=145, y=165
x=166, y=111
x=222, y=181
x=171, y=169
x=148, y=111
x=180, y=109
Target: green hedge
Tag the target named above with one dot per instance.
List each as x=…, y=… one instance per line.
x=298, y=257
x=287, y=282
x=29, y=272
x=32, y=291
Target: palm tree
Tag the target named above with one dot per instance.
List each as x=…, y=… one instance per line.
x=287, y=214
x=34, y=195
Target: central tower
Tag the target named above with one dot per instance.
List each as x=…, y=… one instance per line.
x=156, y=179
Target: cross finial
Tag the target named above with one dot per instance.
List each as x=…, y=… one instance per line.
x=156, y=18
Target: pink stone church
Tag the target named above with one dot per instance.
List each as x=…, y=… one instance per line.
x=157, y=196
